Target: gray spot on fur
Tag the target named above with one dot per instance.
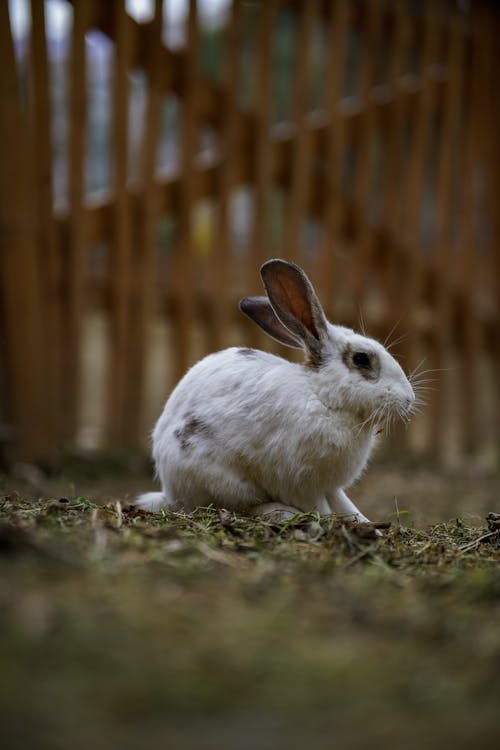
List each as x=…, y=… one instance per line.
x=369, y=373
x=247, y=352
x=192, y=427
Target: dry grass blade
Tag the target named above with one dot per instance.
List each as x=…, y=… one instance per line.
x=493, y=521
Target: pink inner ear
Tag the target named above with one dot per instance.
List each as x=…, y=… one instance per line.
x=293, y=298
x=293, y=295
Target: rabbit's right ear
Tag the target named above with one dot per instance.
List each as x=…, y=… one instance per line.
x=259, y=310
x=295, y=303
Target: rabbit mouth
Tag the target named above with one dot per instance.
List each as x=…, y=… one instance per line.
x=401, y=411
x=386, y=414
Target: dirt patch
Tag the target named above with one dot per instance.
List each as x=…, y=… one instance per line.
x=122, y=628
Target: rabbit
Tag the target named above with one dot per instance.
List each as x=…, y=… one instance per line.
x=249, y=431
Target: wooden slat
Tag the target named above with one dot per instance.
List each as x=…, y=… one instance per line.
x=222, y=257
x=185, y=276
x=334, y=144
x=75, y=252
x=489, y=150
x=120, y=270
x=362, y=255
x=300, y=167
x=442, y=256
x=263, y=156
x=23, y=306
x=418, y=160
x=467, y=255
x=332, y=219
x=50, y=266
x=145, y=256
x=263, y=152
x=412, y=192
x=393, y=172
x=493, y=154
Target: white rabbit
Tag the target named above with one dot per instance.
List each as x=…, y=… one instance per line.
x=252, y=432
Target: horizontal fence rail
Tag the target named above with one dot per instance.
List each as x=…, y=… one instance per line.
x=150, y=165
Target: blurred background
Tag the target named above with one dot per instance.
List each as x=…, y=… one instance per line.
x=154, y=153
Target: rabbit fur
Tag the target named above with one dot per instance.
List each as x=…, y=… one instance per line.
x=249, y=431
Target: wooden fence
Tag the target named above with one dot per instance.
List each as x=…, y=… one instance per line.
x=356, y=137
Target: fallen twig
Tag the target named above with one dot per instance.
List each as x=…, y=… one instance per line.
x=493, y=521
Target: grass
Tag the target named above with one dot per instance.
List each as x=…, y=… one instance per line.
x=124, y=629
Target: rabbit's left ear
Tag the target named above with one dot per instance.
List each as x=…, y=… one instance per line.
x=294, y=301
x=260, y=311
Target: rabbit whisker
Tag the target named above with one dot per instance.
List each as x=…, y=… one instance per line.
x=372, y=418
x=418, y=373
x=394, y=343
x=416, y=370
x=387, y=338
x=361, y=321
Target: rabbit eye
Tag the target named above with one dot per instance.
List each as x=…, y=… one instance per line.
x=361, y=360
x=366, y=364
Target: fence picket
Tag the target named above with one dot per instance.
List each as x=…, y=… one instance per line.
x=263, y=155
x=364, y=168
x=418, y=160
x=442, y=257
x=185, y=278
x=393, y=182
x=144, y=258
x=120, y=251
x=50, y=265
x=466, y=260
x=222, y=258
x=333, y=149
x=300, y=166
x=23, y=308
x=75, y=270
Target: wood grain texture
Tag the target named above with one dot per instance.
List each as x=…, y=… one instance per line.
x=22, y=289
x=122, y=239
x=144, y=260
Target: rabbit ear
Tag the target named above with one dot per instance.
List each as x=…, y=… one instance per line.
x=295, y=303
x=259, y=310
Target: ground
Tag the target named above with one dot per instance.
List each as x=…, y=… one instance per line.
x=134, y=630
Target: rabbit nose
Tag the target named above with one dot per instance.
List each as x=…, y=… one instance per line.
x=409, y=401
